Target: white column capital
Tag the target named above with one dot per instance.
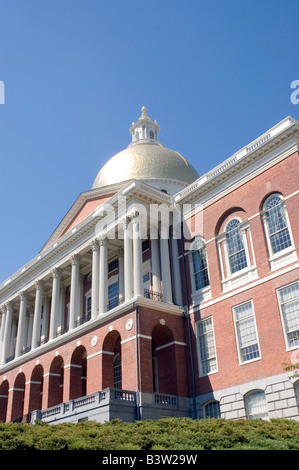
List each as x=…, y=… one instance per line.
x=56, y=272
x=39, y=284
x=23, y=295
x=94, y=244
x=75, y=259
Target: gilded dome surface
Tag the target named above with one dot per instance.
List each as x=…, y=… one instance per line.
x=145, y=161
x=146, y=158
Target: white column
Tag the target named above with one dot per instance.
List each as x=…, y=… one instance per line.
x=45, y=320
x=21, y=325
x=13, y=337
x=37, y=314
x=74, y=307
x=80, y=298
x=103, y=281
x=30, y=327
x=121, y=279
x=137, y=258
x=54, y=303
x=128, y=267
x=7, y=331
x=156, y=273
x=95, y=279
x=60, y=320
x=176, y=272
x=3, y=318
x=165, y=264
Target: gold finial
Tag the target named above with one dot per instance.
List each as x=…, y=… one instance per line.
x=143, y=116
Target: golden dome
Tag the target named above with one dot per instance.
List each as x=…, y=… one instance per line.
x=146, y=159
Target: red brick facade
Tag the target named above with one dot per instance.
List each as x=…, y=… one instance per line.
x=158, y=343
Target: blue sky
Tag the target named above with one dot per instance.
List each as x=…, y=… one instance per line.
x=215, y=74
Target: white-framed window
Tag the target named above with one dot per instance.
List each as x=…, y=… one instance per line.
x=288, y=299
x=113, y=299
x=246, y=332
x=206, y=347
x=88, y=304
x=200, y=268
x=278, y=231
x=256, y=405
x=235, y=246
x=212, y=409
x=199, y=273
x=236, y=254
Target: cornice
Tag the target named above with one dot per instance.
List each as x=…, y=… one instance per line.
x=258, y=149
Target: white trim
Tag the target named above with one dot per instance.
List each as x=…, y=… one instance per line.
x=249, y=286
x=241, y=362
x=199, y=359
x=178, y=343
x=285, y=334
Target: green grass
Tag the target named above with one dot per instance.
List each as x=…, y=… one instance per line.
x=163, y=434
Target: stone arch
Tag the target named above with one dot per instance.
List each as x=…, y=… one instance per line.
x=78, y=373
x=164, y=360
x=4, y=387
x=36, y=388
x=18, y=398
x=111, y=354
x=56, y=376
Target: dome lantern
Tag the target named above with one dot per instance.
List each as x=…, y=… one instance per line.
x=144, y=130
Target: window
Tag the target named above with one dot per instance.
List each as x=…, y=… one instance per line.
x=113, y=295
x=117, y=371
x=145, y=245
x=88, y=306
x=276, y=224
x=212, y=409
x=288, y=298
x=247, y=341
x=235, y=246
x=200, y=268
x=206, y=347
x=113, y=265
x=256, y=405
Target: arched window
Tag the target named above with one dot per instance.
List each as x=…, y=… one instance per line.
x=117, y=370
x=235, y=246
x=212, y=409
x=199, y=273
x=235, y=250
x=276, y=224
x=256, y=405
x=200, y=267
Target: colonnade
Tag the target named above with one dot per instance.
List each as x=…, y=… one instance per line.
x=40, y=320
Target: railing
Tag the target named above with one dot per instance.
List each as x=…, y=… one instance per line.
x=150, y=294
x=115, y=302
x=83, y=320
x=162, y=399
